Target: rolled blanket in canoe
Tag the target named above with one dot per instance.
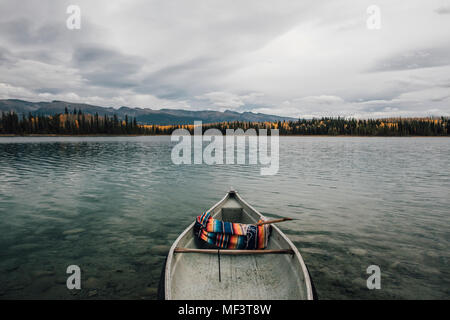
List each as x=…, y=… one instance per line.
x=230, y=235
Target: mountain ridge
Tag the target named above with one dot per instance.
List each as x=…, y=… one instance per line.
x=142, y=115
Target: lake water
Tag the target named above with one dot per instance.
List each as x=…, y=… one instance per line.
x=114, y=205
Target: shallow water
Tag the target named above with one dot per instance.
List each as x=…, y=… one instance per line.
x=114, y=205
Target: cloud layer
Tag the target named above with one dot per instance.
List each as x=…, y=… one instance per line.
x=293, y=58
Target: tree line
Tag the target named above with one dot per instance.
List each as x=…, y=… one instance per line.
x=68, y=123
x=79, y=123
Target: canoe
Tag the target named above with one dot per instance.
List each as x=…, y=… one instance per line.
x=196, y=271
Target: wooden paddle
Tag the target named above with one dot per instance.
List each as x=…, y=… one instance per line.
x=273, y=221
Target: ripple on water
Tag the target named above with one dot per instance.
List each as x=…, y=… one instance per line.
x=114, y=205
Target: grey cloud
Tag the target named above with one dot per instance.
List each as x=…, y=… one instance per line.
x=192, y=65
x=160, y=87
x=176, y=53
x=176, y=79
x=394, y=109
x=92, y=55
x=423, y=58
x=107, y=67
x=26, y=32
x=50, y=90
x=5, y=56
x=373, y=109
x=251, y=107
x=440, y=98
x=443, y=10
x=17, y=31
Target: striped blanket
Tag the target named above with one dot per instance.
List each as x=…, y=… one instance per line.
x=231, y=235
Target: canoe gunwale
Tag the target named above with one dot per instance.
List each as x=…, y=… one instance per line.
x=167, y=291
x=170, y=256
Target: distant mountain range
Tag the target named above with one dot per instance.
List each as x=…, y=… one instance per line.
x=142, y=115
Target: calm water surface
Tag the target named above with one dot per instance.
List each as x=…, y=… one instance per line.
x=114, y=205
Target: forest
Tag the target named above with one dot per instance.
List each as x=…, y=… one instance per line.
x=78, y=123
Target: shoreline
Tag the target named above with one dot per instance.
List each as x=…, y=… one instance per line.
x=168, y=135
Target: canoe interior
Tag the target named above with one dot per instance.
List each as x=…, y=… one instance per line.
x=269, y=277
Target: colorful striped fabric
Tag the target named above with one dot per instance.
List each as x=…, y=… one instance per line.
x=230, y=235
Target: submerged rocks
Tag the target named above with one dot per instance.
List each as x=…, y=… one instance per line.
x=73, y=231
x=91, y=283
x=92, y=293
x=72, y=237
x=43, y=273
x=9, y=265
x=358, y=251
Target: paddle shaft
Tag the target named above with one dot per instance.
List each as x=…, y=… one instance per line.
x=235, y=252
x=273, y=221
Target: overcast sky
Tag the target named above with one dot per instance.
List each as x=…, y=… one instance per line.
x=295, y=58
